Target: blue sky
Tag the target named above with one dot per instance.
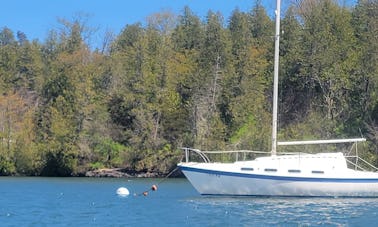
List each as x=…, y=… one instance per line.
x=36, y=17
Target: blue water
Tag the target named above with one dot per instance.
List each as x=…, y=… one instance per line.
x=93, y=202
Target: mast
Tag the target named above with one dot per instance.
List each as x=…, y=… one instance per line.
x=275, y=79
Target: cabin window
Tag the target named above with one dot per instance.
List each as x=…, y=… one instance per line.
x=246, y=169
x=294, y=171
x=270, y=170
x=318, y=171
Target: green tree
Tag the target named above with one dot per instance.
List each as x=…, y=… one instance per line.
x=30, y=66
x=57, y=127
x=247, y=87
x=27, y=157
x=188, y=34
x=187, y=39
x=295, y=95
x=261, y=26
x=8, y=58
x=365, y=73
x=66, y=93
x=213, y=61
x=329, y=59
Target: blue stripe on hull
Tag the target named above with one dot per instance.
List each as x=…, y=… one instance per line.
x=282, y=178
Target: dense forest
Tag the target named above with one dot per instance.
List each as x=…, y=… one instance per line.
x=181, y=81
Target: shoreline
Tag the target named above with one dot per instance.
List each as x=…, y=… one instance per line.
x=127, y=173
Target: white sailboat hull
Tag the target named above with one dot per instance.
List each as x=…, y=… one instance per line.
x=252, y=179
x=282, y=175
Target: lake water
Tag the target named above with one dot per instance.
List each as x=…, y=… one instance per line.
x=34, y=201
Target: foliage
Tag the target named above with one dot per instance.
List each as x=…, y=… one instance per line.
x=109, y=152
x=179, y=81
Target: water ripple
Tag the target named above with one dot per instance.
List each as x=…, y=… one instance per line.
x=93, y=202
x=286, y=211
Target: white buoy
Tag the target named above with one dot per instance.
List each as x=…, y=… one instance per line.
x=122, y=191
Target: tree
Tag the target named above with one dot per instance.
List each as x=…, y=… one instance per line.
x=329, y=59
x=261, y=26
x=7, y=37
x=248, y=86
x=213, y=60
x=30, y=67
x=66, y=99
x=188, y=34
x=295, y=95
x=187, y=40
x=364, y=97
x=27, y=156
x=57, y=127
x=8, y=58
x=15, y=111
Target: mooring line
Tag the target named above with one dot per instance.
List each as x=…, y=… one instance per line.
x=154, y=186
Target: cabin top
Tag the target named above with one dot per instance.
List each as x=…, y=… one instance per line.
x=324, y=161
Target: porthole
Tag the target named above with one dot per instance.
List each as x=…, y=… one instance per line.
x=270, y=170
x=246, y=169
x=294, y=171
x=318, y=172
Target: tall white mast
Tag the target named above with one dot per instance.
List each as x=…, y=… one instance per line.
x=275, y=80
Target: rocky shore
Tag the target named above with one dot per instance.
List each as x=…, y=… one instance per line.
x=126, y=173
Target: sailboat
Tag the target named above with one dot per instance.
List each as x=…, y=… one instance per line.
x=329, y=174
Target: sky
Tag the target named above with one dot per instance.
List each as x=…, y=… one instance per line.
x=36, y=18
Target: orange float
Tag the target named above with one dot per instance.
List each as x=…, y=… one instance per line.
x=154, y=187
